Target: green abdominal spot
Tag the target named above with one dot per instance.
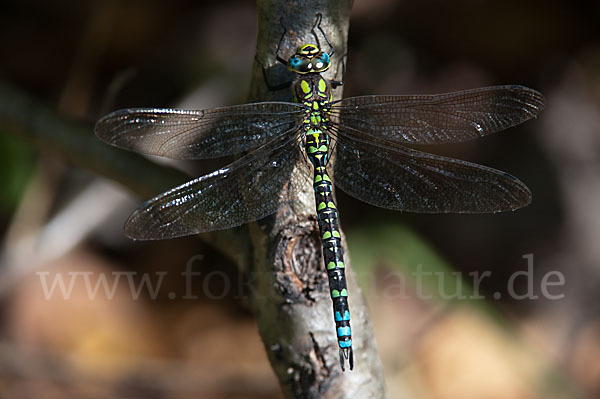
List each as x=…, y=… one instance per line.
x=335, y=265
x=337, y=294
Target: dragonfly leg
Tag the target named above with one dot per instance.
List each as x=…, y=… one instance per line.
x=318, y=25
x=273, y=87
x=277, y=56
x=336, y=83
x=342, y=62
x=280, y=59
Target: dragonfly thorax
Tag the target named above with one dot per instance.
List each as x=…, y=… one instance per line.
x=314, y=91
x=309, y=58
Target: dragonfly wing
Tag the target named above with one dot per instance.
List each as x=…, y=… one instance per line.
x=404, y=179
x=436, y=119
x=248, y=189
x=184, y=134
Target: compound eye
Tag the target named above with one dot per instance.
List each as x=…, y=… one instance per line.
x=305, y=66
x=321, y=62
x=299, y=65
x=294, y=62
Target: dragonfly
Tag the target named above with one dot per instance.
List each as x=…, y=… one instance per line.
x=364, y=141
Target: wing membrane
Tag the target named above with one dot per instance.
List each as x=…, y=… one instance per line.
x=183, y=134
x=246, y=190
x=436, y=119
x=404, y=179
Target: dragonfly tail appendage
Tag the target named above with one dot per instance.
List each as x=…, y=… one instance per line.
x=346, y=354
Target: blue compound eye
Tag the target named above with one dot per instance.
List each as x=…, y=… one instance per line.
x=299, y=65
x=321, y=62
x=294, y=62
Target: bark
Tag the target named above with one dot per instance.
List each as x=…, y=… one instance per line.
x=291, y=298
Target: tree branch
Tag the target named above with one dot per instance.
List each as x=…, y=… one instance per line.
x=292, y=300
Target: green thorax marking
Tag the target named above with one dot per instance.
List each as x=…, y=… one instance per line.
x=311, y=88
x=314, y=92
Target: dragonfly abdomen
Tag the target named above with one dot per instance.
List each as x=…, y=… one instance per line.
x=334, y=261
x=317, y=147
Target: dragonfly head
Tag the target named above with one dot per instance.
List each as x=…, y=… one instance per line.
x=309, y=58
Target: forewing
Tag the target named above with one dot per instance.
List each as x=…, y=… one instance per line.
x=436, y=119
x=183, y=134
x=246, y=190
x=404, y=179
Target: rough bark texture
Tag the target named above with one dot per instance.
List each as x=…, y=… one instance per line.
x=291, y=298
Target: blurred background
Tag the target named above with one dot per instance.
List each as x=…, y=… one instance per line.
x=531, y=329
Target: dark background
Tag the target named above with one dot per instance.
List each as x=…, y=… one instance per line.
x=84, y=59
